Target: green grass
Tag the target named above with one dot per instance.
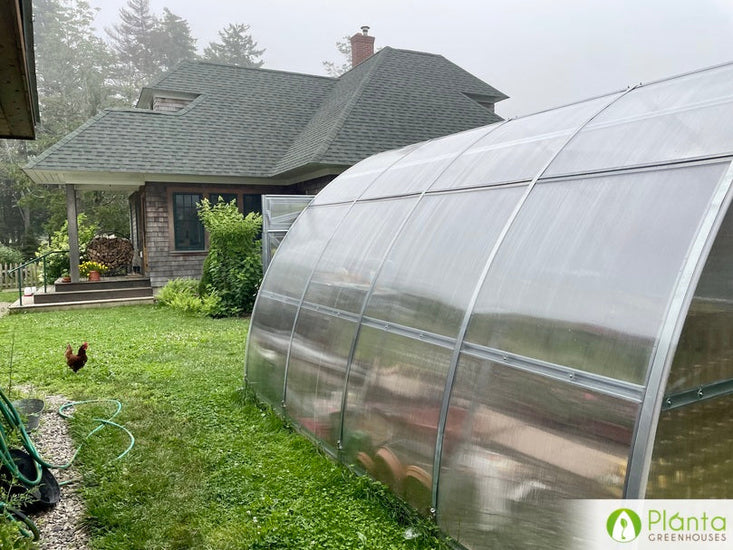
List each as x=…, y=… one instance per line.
x=8, y=295
x=211, y=469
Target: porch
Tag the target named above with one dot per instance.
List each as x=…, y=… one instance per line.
x=108, y=292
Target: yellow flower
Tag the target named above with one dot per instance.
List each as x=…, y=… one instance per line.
x=86, y=267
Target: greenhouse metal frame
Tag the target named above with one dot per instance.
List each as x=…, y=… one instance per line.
x=538, y=310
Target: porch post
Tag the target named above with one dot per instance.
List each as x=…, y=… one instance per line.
x=73, y=233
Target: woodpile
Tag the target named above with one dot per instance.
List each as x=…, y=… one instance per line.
x=114, y=252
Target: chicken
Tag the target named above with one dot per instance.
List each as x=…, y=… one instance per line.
x=77, y=361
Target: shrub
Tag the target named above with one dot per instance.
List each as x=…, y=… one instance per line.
x=10, y=255
x=183, y=295
x=233, y=268
x=11, y=537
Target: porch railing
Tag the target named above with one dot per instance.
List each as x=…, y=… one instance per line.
x=21, y=270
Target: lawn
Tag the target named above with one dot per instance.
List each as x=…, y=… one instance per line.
x=211, y=469
x=8, y=295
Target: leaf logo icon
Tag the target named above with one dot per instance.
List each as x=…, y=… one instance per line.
x=623, y=525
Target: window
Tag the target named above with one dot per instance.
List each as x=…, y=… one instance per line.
x=187, y=229
x=252, y=203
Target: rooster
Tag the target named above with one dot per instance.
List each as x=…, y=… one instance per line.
x=77, y=361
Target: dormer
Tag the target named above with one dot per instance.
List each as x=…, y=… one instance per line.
x=164, y=101
x=486, y=101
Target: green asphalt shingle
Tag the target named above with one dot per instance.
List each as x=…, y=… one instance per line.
x=262, y=123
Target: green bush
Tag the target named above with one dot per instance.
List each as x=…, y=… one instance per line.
x=183, y=295
x=56, y=264
x=233, y=268
x=11, y=537
x=10, y=255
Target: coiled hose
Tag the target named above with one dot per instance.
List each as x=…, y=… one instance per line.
x=15, y=423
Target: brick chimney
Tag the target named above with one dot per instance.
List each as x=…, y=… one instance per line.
x=362, y=46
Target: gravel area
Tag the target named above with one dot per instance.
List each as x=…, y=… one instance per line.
x=4, y=306
x=62, y=526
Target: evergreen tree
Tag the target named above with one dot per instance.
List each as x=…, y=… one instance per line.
x=235, y=47
x=72, y=66
x=173, y=40
x=134, y=42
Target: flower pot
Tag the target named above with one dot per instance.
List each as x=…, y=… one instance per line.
x=30, y=411
x=94, y=276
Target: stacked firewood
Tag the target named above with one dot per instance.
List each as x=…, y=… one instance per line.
x=114, y=252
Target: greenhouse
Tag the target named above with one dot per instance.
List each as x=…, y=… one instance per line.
x=538, y=310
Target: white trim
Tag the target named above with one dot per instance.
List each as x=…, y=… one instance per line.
x=133, y=180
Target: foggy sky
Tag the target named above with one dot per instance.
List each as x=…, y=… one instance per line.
x=541, y=53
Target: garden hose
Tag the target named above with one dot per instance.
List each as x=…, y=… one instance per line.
x=14, y=421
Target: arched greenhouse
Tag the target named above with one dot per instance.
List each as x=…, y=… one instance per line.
x=538, y=310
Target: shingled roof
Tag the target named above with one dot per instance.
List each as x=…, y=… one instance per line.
x=265, y=124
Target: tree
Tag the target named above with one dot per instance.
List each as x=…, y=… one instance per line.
x=332, y=67
x=173, y=40
x=73, y=66
x=235, y=47
x=134, y=42
x=73, y=80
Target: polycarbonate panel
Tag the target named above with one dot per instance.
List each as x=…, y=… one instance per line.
x=353, y=182
x=692, y=452
x=417, y=171
x=289, y=271
x=705, y=349
x=280, y=211
x=519, y=149
x=344, y=273
x=429, y=276
x=271, y=241
x=267, y=348
x=585, y=273
x=515, y=445
x=677, y=119
x=395, y=392
x=317, y=373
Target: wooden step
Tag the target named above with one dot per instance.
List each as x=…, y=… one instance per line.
x=88, y=295
x=30, y=306
x=104, y=284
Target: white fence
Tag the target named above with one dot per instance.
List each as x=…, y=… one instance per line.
x=31, y=276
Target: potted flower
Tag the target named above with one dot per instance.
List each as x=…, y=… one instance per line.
x=92, y=270
x=65, y=277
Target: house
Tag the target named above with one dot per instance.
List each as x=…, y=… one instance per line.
x=206, y=130
x=18, y=95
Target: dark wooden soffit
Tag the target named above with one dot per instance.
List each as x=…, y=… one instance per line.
x=18, y=94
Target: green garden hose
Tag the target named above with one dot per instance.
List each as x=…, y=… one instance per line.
x=14, y=421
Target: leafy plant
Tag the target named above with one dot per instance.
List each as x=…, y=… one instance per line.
x=11, y=537
x=56, y=264
x=88, y=266
x=183, y=294
x=233, y=268
x=10, y=255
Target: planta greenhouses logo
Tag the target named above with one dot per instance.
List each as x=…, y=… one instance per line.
x=623, y=525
